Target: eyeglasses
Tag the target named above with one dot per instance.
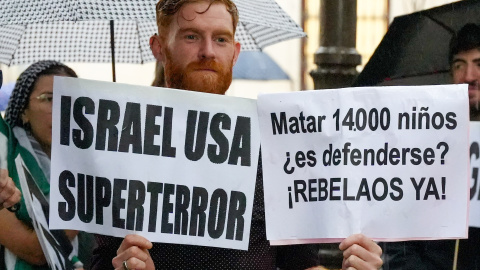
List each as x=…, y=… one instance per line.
x=45, y=97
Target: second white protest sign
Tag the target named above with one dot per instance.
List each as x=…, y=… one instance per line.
x=390, y=162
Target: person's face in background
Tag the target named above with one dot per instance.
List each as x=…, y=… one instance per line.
x=199, y=50
x=466, y=69
x=38, y=113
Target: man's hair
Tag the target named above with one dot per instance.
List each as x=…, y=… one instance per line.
x=467, y=38
x=167, y=8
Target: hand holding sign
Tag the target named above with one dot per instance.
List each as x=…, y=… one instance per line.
x=133, y=254
x=360, y=252
x=9, y=193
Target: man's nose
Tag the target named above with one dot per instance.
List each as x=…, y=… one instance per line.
x=207, y=49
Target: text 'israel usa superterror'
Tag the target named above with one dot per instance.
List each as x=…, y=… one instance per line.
x=196, y=210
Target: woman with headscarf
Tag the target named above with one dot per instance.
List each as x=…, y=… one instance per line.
x=29, y=115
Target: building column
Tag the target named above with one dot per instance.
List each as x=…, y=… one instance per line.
x=336, y=61
x=336, y=58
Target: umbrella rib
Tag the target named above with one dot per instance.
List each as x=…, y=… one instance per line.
x=440, y=23
x=255, y=42
x=267, y=42
x=139, y=43
x=18, y=43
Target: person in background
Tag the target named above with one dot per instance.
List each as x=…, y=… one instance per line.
x=197, y=49
x=29, y=115
x=465, y=68
x=464, y=57
x=465, y=64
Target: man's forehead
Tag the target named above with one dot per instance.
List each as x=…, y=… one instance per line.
x=189, y=12
x=472, y=53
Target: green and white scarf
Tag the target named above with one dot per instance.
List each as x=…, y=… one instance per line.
x=12, y=148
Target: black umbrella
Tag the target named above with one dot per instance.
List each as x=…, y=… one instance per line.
x=414, y=51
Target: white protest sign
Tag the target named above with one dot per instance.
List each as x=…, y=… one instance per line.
x=389, y=162
x=173, y=166
x=474, y=220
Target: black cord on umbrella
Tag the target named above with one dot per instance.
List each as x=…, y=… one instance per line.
x=112, y=46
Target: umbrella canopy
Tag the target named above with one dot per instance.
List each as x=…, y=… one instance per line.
x=257, y=66
x=79, y=30
x=415, y=49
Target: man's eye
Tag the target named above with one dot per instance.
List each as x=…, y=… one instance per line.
x=191, y=37
x=457, y=66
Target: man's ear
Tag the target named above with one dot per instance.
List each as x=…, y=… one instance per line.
x=237, y=52
x=156, y=47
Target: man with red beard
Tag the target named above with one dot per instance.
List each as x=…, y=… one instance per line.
x=197, y=54
x=197, y=48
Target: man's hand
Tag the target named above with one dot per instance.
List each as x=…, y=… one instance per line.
x=360, y=253
x=9, y=193
x=134, y=252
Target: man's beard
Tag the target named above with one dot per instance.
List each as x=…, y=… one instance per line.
x=216, y=82
x=474, y=101
x=475, y=112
